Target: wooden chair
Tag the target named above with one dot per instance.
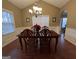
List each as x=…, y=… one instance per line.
x=36, y=28
x=44, y=27
x=30, y=43
x=45, y=42
x=27, y=32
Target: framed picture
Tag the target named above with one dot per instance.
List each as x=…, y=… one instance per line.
x=27, y=19
x=53, y=19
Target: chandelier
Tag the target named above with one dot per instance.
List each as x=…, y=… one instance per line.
x=36, y=9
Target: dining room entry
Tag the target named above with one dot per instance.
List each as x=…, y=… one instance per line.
x=42, y=20
x=63, y=21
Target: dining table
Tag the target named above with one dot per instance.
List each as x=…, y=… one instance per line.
x=54, y=35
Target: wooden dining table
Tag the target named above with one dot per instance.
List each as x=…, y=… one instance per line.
x=54, y=35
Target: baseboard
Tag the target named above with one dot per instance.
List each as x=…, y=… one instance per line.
x=8, y=42
x=74, y=43
x=70, y=35
x=7, y=39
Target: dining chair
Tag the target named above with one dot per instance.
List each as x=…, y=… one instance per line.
x=44, y=27
x=45, y=42
x=36, y=28
x=30, y=43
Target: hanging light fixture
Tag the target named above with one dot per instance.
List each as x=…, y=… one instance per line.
x=36, y=9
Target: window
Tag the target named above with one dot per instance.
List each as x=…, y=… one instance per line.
x=41, y=20
x=64, y=22
x=7, y=22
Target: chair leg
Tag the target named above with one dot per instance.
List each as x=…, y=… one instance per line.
x=25, y=43
x=21, y=43
x=56, y=44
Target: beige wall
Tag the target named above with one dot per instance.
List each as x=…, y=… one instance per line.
x=71, y=8
x=47, y=10
x=16, y=11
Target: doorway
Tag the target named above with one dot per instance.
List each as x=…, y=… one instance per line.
x=63, y=22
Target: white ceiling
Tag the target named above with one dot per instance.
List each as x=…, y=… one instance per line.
x=24, y=3
x=57, y=3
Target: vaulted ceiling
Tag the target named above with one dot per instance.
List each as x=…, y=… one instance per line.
x=24, y=3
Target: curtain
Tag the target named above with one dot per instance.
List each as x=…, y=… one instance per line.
x=41, y=20
x=7, y=22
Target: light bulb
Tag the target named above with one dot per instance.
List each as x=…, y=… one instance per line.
x=30, y=11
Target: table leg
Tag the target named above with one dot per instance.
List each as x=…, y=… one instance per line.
x=20, y=43
x=56, y=44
